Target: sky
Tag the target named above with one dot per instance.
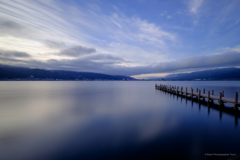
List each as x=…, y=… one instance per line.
x=138, y=38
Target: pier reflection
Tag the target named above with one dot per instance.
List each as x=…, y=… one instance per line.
x=211, y=105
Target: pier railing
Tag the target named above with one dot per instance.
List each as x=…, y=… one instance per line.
x=210, y=96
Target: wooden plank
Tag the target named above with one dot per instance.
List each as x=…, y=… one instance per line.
x=221, y=98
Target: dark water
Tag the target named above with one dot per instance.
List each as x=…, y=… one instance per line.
x=114, y=120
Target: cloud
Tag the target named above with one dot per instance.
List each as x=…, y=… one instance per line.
x=149, y=32
x=8, y=27
x=103, y=58
x=76, y=51
x=36, y=21
x=112, y=41
x=14, y=54
x=54, y=44
x=98, y=63
x=119, y=28
x=52, y=26
x=194, y=5
x=223, y=60
x=108, y=64
x=15, y=27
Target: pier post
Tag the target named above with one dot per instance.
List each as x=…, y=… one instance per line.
x=204, y=93
x=186, y=93
x=236, y=100
x=220, y=98
x=199, y=94
x=220, y=95
x=208, y=96
x=191, y=93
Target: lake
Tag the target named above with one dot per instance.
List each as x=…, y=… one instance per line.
x=71, y=120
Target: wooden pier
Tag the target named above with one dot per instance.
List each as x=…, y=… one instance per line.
x=210, y=96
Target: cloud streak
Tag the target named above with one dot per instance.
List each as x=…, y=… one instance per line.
x=109, y=64
x=54, y=44
x=14, y=54
x=108, y=38
x=76, y=51
x=228, y=59
x=57, y=25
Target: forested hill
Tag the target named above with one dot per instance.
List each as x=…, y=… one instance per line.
x=20, y=73
x=216, y=74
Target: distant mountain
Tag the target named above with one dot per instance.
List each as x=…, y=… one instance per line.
x=10, y=72
x=216, y=74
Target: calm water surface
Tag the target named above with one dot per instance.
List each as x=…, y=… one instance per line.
x=114, y=120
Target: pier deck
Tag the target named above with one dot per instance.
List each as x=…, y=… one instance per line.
x=180, y=91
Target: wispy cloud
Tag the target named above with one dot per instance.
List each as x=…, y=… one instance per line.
x=14, y=54
x=227, y=59
x=54, y=25
x=54, y=44
x=108, y=64
x=76, y=51
x=85, y=36
x=194, y=5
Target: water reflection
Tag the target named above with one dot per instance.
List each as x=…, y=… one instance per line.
x=211, y=105
x=108, y=120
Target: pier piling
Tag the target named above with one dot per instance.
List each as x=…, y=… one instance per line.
x=236, y=100
x=191, y=93
x=210, y=96
x=199, y=94
x=186, y=93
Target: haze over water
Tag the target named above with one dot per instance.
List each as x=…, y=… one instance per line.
x=114, y=120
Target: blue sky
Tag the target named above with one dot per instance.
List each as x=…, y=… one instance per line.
x=139, y=38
